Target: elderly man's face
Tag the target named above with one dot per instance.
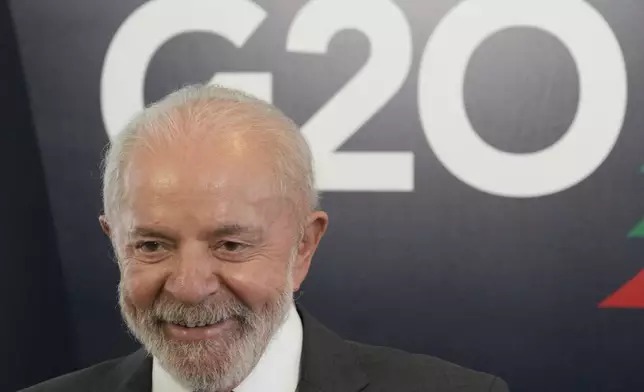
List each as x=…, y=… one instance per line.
x=209, y=255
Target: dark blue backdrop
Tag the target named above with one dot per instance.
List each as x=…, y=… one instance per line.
x=37, y=340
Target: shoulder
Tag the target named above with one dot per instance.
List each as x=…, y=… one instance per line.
x=80, y=380
x=385, y=365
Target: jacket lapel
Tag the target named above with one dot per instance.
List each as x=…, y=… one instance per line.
x=328, y=363
x=132, y=374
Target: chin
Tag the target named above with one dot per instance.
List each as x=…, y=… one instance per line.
x=209, y=365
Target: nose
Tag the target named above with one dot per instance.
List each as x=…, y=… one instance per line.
x=194, y=277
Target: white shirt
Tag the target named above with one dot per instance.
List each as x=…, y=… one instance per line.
x=278, y=369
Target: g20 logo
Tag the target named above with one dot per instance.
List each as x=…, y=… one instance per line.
x=574, y=157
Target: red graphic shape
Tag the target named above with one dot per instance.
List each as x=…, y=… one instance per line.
x=630, y=295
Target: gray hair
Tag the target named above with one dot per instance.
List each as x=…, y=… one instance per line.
x=293, y=155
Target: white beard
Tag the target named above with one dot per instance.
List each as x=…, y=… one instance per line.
x=208, y=366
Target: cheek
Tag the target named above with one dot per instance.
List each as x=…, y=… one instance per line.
x=142, y=283
x=258, y=281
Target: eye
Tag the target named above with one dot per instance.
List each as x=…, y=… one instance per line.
x=150, y=251
x=148, y=246
x=231, y=246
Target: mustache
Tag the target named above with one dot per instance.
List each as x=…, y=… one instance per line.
x=204, y=313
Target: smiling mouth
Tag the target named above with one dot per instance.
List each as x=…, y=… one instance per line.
x=195, y=324
x=197, y=330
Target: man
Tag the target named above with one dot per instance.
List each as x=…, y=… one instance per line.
x=210, y=206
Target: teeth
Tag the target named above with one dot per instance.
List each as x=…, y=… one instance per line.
x=193, y=324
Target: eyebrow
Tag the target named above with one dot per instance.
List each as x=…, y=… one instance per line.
x=229, y=229
x=149, y=232
x=232, y=229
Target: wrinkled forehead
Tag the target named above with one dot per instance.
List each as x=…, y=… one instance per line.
x=219, y=175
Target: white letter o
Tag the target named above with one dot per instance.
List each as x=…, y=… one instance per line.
x=593, y=132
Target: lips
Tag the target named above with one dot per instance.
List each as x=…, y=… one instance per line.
x=197, y=330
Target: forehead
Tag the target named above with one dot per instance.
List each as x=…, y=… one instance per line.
x=227, y=177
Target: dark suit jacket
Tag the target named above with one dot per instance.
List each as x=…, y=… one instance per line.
x=329, y=364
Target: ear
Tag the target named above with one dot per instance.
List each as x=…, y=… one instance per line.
x=105, y=226
x=314, y=229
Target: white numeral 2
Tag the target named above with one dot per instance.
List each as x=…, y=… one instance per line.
x=360, y=98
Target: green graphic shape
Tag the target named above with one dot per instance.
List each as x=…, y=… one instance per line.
x=637, y=231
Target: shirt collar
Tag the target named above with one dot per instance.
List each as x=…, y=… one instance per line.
x=277, y=369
